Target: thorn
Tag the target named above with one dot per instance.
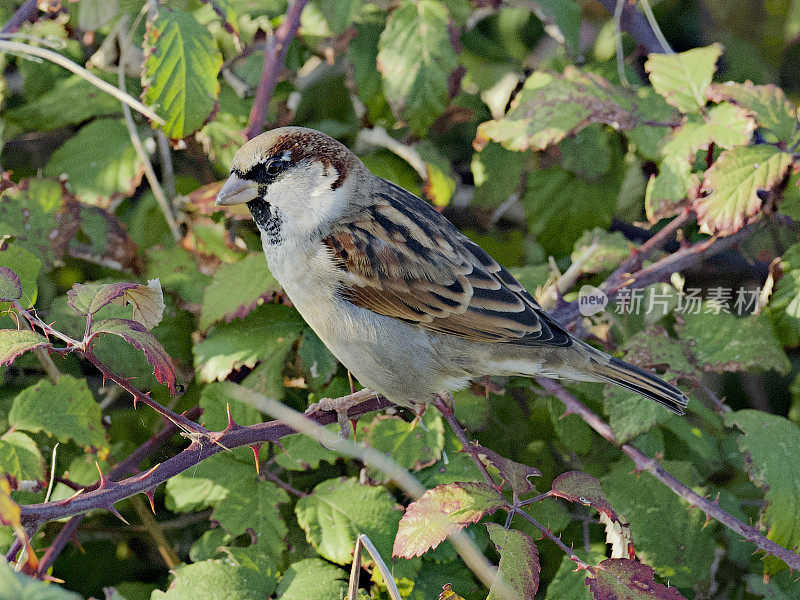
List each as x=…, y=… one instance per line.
x=354, y=424
x=66, y=501
x=352, y=385
x=279, y=445
x=231, y=423
x=147, y=473
x=150, y=495
x=104, y=482
x=116, y=513
x=256, y=448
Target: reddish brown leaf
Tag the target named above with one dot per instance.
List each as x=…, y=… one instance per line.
x=10, y=286
x=625, y=579
x=519, y=568
x=440, y=512
x=14, y=342
x=137, y=334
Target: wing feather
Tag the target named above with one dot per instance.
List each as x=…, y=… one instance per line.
x=403, y=259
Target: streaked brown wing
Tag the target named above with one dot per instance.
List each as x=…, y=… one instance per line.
x=404, y=260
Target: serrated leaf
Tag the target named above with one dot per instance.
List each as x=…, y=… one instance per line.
x=218, y=580
x=99, y=162
x=784, y=305
x=441, y=512
x=147, y=300
x=71, y=101
x=14, y=342
x=10, y=285
x=137, y=335
x=682, y=78
x=683, y=551
x=725, y=124
x=551, y=106
x=25, y=265
x=338, y=510
x=733, y=183
x=515, y=474
x=242, y=343
x=180, y=72
x=667, y=192
x=66, y=410
x=496, y=173
x=412, y=447
x=301, y=452
x=415, y=58
x=768, y=104
x=625, y=579
x=20, y=458
x=724, y=342
x=20, y=586
x=519, y=563
x=312, y=578
x=236, y=290
x=772, y=444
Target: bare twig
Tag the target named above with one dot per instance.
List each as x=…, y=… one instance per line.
x=26, y=12
x=546, y=531
x=274, y=58
x=652, y=466
x=63, y=61
x=447, y=413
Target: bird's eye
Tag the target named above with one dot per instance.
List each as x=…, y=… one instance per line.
x=275, y=166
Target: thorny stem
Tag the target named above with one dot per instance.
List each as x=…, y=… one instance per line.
x=546, y=531
x=274, y=58
x=267, y=474
x=652, y=466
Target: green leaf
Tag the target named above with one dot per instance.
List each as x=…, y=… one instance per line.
x=586, y=152
x=14, y=342
x=733, y=183
x=208, y=483
x=216, y=402
x=784, y=305
x=339, y=510
x=551, y=106
x=682, y=552
x=140, y=338
x=519, y=562
x=180, y=73
x=415, y=58
x=66, y=410
x=100, y=162
x=628, y=580
x=218, y=580
x=771, y=444
x=301, y=452
x=667, y=192
x=339, y=14
x=312, y=578
x=236, y=290
x=70, y=101
x=496, y=173
x=25, y=265
x=10, y=285
x=561, y=20
x=20, y=457
x=319, y=365
x=779, y=587
x=768, y=104
x=440, y=512
x=569, y=583
x=682, y=78
x=611, y=250
x=221, y=138
x=242, y=343
x=147, y=300
x=412, y=446
x=17, y=586
x=725, y=124
x=724, y=342
x=514, y=474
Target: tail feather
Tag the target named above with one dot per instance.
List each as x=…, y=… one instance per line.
x=640, y=381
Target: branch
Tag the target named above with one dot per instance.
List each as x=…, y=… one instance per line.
x=274, y=58
x=26, y=12
x=635, y=23
x=660, y=270
x=651, y=465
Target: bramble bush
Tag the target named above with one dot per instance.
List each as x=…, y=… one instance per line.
x=567, y=138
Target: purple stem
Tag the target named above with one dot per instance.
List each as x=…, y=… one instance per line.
x=26, y=12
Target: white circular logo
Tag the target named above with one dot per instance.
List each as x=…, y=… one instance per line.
x=591, y=300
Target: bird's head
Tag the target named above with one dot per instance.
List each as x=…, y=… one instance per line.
x=295, y=182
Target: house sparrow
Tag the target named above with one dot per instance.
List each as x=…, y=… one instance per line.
x=406, y=302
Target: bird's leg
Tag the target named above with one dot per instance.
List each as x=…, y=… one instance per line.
x=341, y=406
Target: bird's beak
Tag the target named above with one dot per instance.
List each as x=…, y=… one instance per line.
x=236, y=191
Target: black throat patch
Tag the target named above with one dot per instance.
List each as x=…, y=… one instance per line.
x=268, y=219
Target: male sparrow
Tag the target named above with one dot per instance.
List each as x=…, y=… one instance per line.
x=406, y=302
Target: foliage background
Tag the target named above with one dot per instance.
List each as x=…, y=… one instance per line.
x=514, y=119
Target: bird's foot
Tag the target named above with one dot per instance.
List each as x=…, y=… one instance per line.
x=340, y=406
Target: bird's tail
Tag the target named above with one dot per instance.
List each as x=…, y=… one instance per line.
x=613, y=370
